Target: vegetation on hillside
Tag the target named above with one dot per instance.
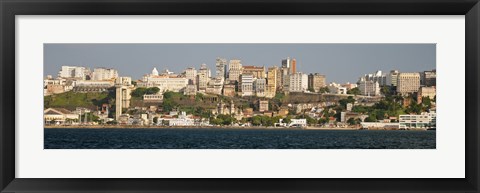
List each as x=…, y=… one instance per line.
x=71, y=100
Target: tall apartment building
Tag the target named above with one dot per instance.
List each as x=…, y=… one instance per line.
x=408, y=83
x=191, y=75
x=235, y=69
x=428, y=78
x=271, y=88
x=290, y=64
x=221, y=68
x=202, y=78
x=298, y=82
x=316, y=81
x=256, y=71
x=77, y=72
x=369, y=87
x=392, y=78
x=293, y=67
x=377, y=77
x=260, y=87
x=246, y=84
x=104, y=74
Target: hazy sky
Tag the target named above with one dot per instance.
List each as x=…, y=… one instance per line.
x=339, y=62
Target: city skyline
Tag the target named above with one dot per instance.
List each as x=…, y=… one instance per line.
x=332, y=60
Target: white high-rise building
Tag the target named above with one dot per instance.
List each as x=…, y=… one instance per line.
x=191, y=75
x=203, y=77
x=392, y=78
x=246, y=84
x=104, y=74
x=369, y=87
x=221, y=67
x=298, y=82
x=73, y=72
x=378, y=76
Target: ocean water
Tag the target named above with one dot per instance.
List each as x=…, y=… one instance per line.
x=235, y=139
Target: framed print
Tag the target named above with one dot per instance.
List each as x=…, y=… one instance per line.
x=256, y=96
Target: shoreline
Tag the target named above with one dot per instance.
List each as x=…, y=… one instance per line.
x=191, y=127
x=220, y=127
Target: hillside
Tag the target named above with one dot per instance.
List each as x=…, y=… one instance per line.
x=70, y=100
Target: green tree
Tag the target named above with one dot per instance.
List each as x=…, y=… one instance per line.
x=322, y=121
x=370, y=119
x=352, y=121
x=354, y=91
x=324, y=90
x=256, y=120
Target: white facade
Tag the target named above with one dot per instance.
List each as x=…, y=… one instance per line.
x=73, y=72
x=191, y=75
x=335, y=88
x=221, y=68
x=369, y=88
x=422, y=121
x=164, y=82
x=246, y=84
x=378, y=76
x=153, y=97
x=104, y=74
x=298, y=123
x=93, y=83
x=392, y=78
x=298, y=82
x=260, y=86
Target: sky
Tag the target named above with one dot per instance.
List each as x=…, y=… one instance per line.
x=339, y=62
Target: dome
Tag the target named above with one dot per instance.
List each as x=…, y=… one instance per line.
x=155, y=72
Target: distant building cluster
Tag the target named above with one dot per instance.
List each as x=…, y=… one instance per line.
x=233, y=79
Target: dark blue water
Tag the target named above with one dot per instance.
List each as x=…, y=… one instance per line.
x=235, y=139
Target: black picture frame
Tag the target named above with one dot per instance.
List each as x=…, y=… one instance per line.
x=10, y=8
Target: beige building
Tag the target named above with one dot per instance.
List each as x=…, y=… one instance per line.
x=263, y=105
x=271, y=88
x=190, y=90
x=229, y=90
x=256, y=71
x=408, y=83
x=316, y=81
x=122, y=95
x=104, y=74
x=203, y=77
x=429, y=92
x=235, y=69
x=59, y=116
x=191, y=75
x=164, y=82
